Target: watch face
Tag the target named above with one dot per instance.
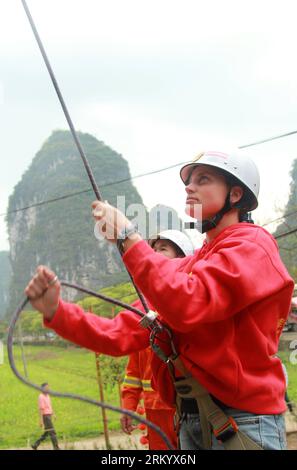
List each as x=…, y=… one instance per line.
x=124, y=234
x=97, y=233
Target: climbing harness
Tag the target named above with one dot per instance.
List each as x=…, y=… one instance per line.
x=212, y=417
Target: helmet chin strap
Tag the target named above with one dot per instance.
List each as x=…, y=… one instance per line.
x=209, y=224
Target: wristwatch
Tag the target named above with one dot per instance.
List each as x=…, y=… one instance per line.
x=124, y=234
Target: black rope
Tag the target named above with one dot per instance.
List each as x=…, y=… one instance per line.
x=72, y=128
x=91, y=401
x=96, y=190
x=21, y=307
x=63, y=104
x=103, y=297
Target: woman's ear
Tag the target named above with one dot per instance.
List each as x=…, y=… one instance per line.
x=236, y=194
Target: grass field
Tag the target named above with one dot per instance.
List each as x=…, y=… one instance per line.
x=67, y=370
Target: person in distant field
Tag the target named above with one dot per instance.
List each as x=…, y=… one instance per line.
x=46, y=413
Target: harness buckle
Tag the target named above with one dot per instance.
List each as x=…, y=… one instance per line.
x=148, y=319
x=226, y=431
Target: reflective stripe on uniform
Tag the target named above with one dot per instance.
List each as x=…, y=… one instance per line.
x=146, y=385
x=132, y=382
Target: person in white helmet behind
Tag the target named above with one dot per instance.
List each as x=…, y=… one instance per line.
x=138, y=374
x=226, y=305
x=173, y=244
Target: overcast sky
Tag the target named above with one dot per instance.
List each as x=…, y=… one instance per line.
x=156, y=80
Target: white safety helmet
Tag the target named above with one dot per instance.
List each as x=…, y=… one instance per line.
x=235, y=164
x=178, y=238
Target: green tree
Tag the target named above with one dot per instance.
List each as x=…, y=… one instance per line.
x=5, y=276
x=60, y=234
x=288, y=244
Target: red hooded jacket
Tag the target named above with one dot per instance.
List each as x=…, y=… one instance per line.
x=226, y=305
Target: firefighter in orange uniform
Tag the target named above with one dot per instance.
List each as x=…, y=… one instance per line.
x=137, y=381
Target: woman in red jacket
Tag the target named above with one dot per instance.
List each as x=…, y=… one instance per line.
x=138, y=374
x=226, y=304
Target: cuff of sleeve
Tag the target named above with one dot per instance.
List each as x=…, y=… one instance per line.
x=129, y=404
x=57, y=318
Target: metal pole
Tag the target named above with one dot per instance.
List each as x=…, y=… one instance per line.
x=101, y=393
x=119, y=380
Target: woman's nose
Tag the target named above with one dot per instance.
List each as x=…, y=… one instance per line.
x=189, y=188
